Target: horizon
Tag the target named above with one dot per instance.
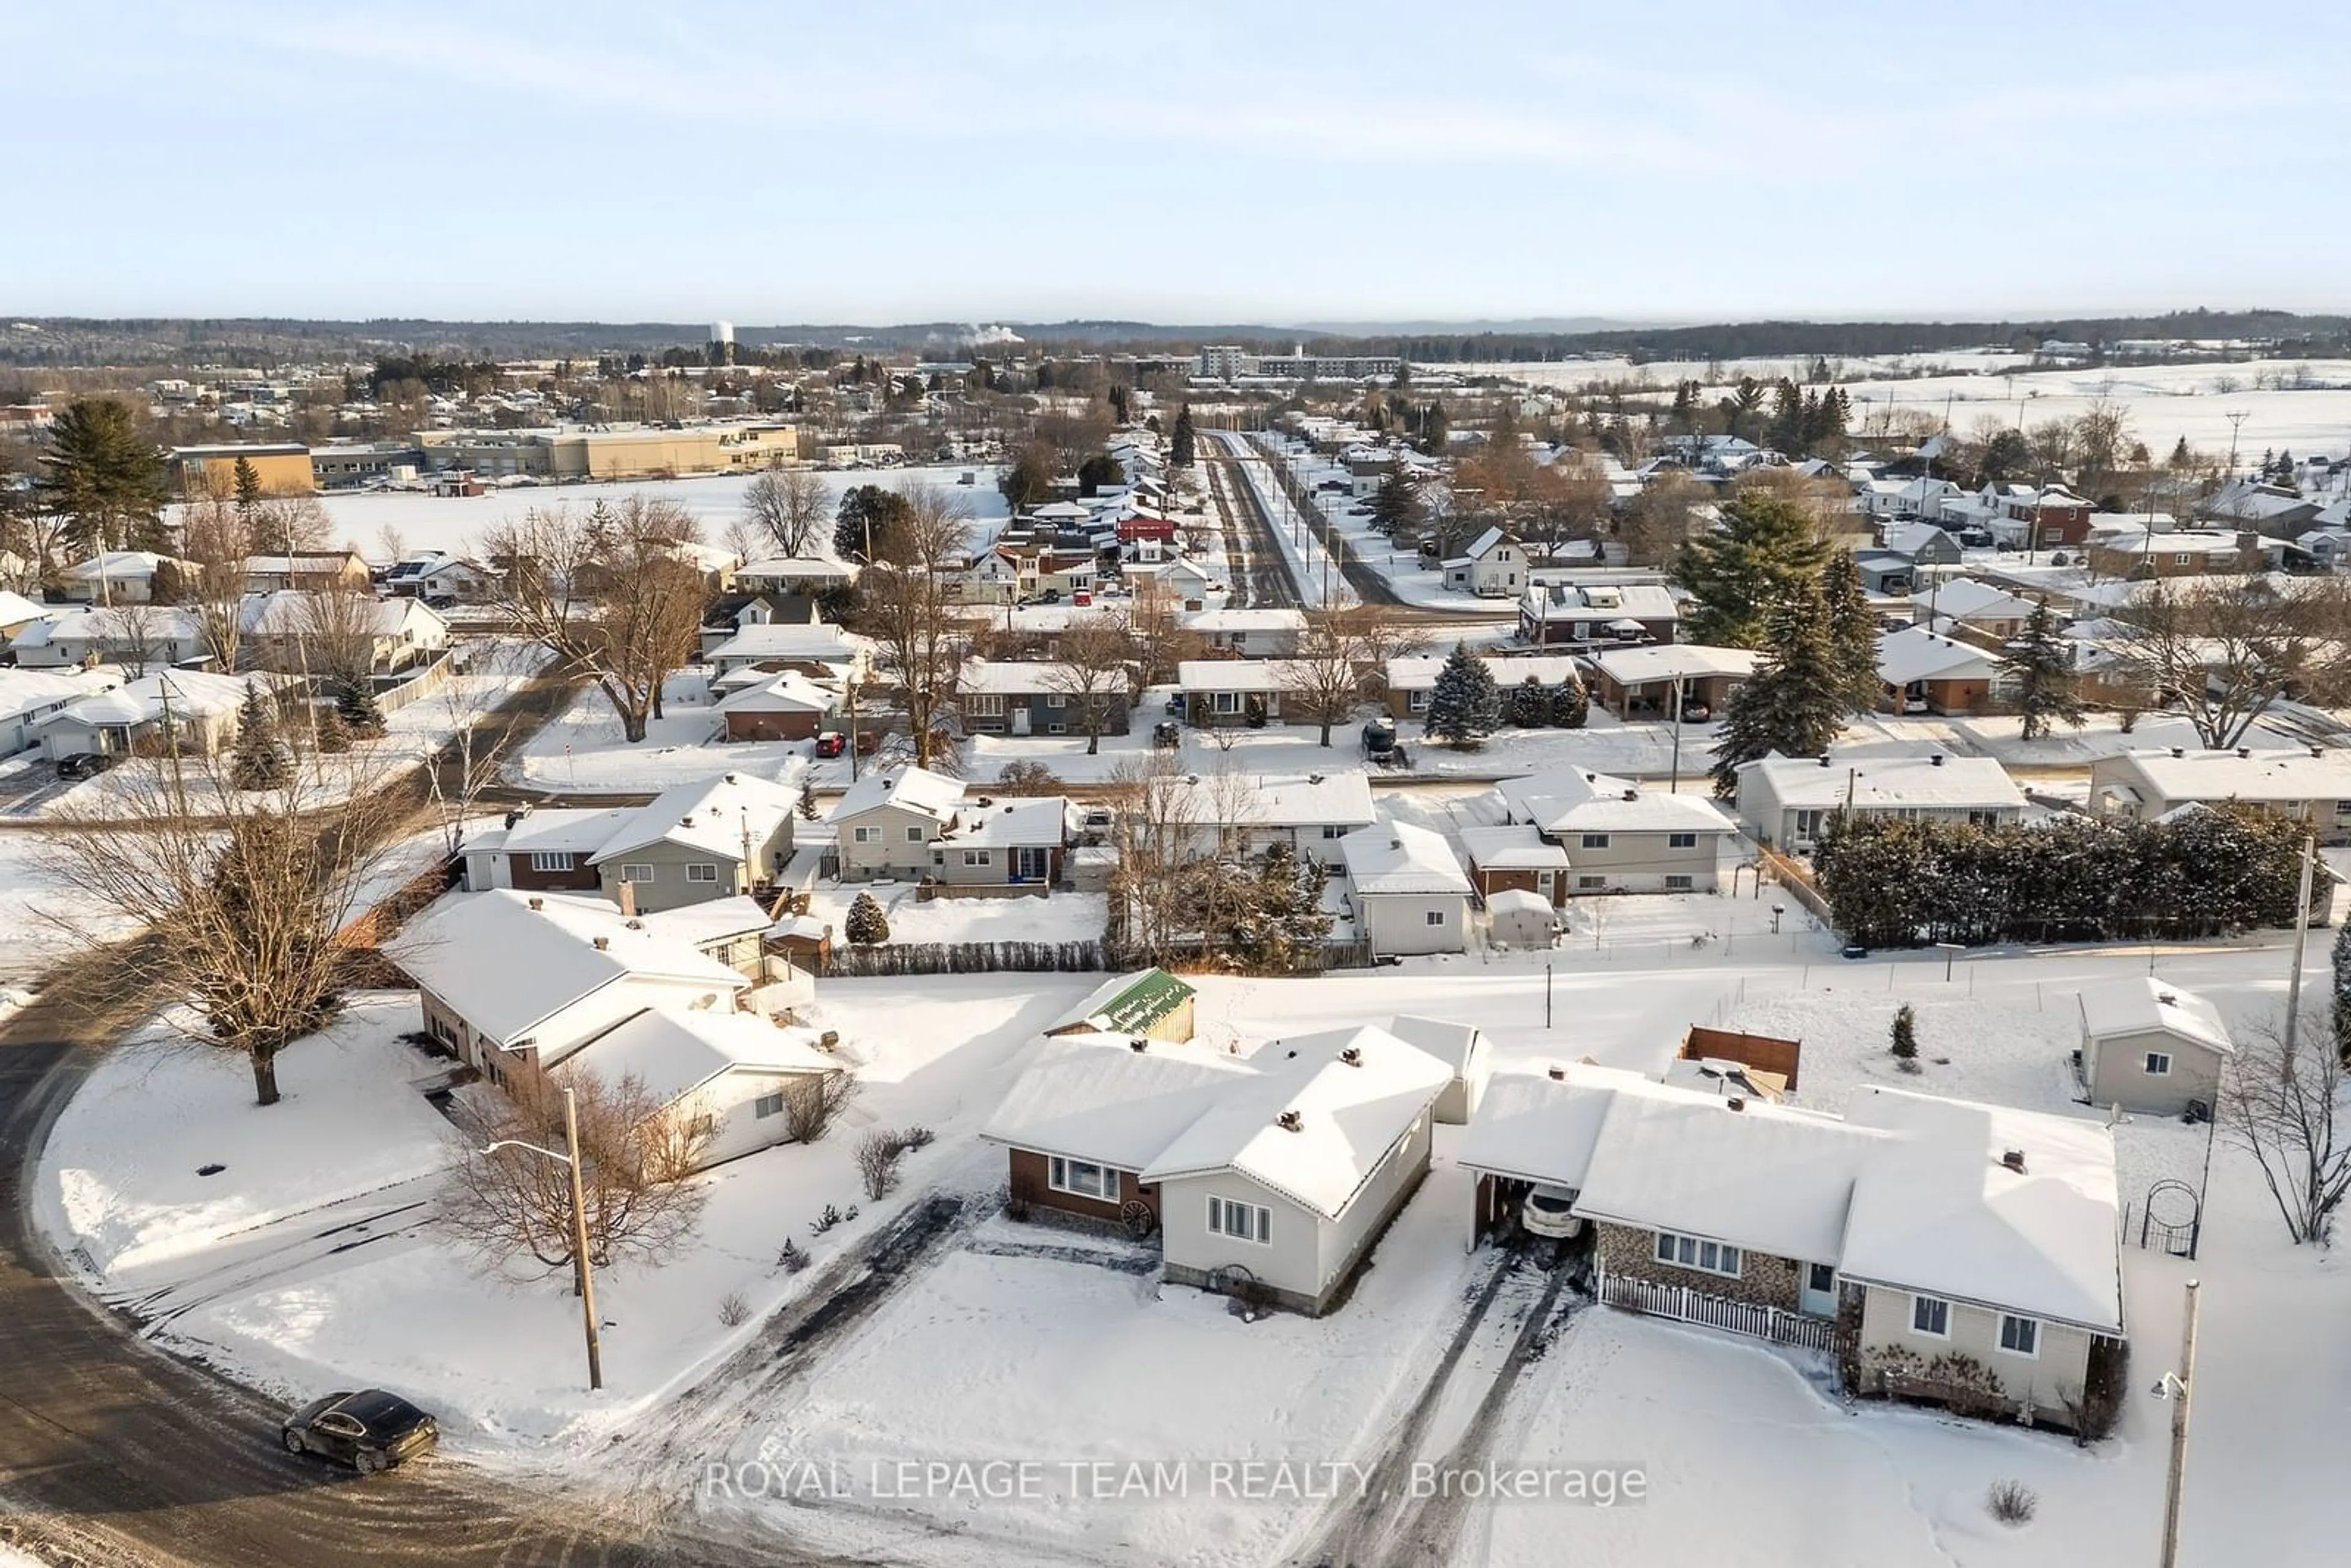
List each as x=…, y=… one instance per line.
x=797, y=165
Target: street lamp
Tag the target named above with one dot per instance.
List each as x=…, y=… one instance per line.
x=582, y=1277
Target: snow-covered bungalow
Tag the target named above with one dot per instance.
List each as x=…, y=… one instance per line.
x=1787, y=800
x=1407, y=890
x=1619, y=836
x=733, y=1069
x=1975, y=1246
x=2312, y=784
x=1921, y=671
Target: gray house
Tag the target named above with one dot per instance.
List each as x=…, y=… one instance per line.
x=1010, y=698
x=883, y=824
x=698, y=842
x=1004, y=846
x=1408, y=890
x=2149, y=1045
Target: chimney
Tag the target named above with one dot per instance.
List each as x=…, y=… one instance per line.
x=1736, y=1102
x=2178, y=751
x=604, y=944
x=538, y=904
x=2244, y=751
x=1138, y=1045
x=1289, y=1121
x=2013, y=1160
x=1824, y=760
x=628, y=899
x=1559, y=1074
x=1352, y=1057
x=1935, y=760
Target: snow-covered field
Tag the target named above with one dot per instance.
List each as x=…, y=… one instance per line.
x=1063, y=918
x=32, y=903
x=454, y=524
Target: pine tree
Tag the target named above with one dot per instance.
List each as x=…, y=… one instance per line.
x=1183, y=447
x=2343, y=991
x=1793, y=704
x=1465, y=706
x=1853, y=630
x=1395, y=506
x=333, y=736
x=1571, y=705
x=1905, y=1041
x=866, y=926
x=1738, y=571
x=169, y=585
x=1529, y=705
x=248, y=485
x=2043, y=667
x=356, y=702
x=1436, y=427
x=104, y=474
x=259, y=760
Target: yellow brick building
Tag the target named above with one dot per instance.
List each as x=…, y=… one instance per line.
x=283, y=467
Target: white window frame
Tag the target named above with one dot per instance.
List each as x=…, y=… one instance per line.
x=701, y=870
x=1432, y=917
x=1056, y=699
x=1060, y=1176
x=1934, y=1308
x=978, y=858
x=1681, y=841
x=767, y=1105
x=638, y=871
x=865, y=835
x=2157, y=1064
x=1697, y=1253
x=1225, y=702
x=918, y=835
x=1679, y=883
x=986, y=704
x=1255, y=1220
x=2014, y=1328
x=1590, y=883
x=553, y=860
x=1595, y=840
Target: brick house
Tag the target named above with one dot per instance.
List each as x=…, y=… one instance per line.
x=1921, y=671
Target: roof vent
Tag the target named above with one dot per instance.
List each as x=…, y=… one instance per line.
x=1632, y=794
x=2013, y=1160
x=2318, y=751
x=1736, y=1102
x=1559, y=1074
x=727, y=778
x=1824, y=760
x=984, y=802
x=2178, y=751
x=604, y=944
x=635, y=925
x=1289, y=1121
x=686, y=821
x=1352, y=1057
x=1315, y=779
x=2168, y=998
x=1138, y=1045
x=1935, y=760
x=2244, y=751
x=538, y=904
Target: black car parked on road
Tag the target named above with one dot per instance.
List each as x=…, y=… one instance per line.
x=370, y=1430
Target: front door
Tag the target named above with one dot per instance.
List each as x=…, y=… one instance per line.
x=1818, y=1297
x=1547, y=884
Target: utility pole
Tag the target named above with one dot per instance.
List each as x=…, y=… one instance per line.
x=1546, y=993
x=579, y=1240
x=2236, y=418
x=1675, y=788
x=2301, y=942
x=2178, y=1387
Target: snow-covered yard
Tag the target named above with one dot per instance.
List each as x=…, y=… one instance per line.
x=1063, y=918
x=582, y=751
x=32, y=903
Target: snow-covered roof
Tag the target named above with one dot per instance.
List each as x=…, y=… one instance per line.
x=1512, y=846
x=293, y=613
x=137, y=624
x=1015, y=677
x=117, y=566
x=1767, y=1177
x=1241, y=674
x=505, y=961
x=188, y=693
x=786, y=567
x=1274, y=799
x=1915, y=653
x=1125, y=1004
x=1672, y=662
x=1418, y=672
x=713, y=815
x=1242, y=620
x=1518, y=901
x=675, y=1051
x=1967, y=599
x=22, y=691
x=2147, y=1004
x=1886, y=783
x=1094, y=1097
x=1533, y=1127
x=790, y=692
x=563, y=830
x=915, y=790
x=1459, y=1045
x=1568, y=601
x=712, y=920
x=2263, y=776
x=16, y=609
x=1575, y=800
x=1484, y=544
x=1343, y=1114
x=1938, y=1211
x=1011, y=823
x=1401, y=858
x=818, y=640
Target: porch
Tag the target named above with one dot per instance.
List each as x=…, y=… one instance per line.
x=1629, y=1293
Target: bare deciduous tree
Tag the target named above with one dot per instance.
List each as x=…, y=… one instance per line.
x=636, y=1156
x=1094, y=674
x=790, y=507
x=215, y=539
x=2228, y=648
x=2286, y=1107
x=606, y=593
x=1326, y=680
x=290, y=525
x=252, y=888
x=811, y=1101
x=907, y=609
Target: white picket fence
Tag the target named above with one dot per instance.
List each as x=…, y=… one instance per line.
x=1680, y=1302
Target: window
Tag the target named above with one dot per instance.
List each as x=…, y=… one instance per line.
x=1433, y=916
x=2182, y=558
x=1057, y=700
x=1820, y=1278
x=976, y=857
x=2159, y=1064
x=637, y=872
x=1681, y=841
x=702, y=870
x=1334, y=831
x=1678, y=884
x=1080, y=1177
x=2020, y=1337
x=986, y=704
x=1591, y=883
x=1242, y=1221
x=1418, y=702
x=1226, y=702
x=1696, y=1252
x=1595, y=840
x=868, y=835
x=767, y=1105
x=1931, y=1316
x=917, y=835
x=551, y=859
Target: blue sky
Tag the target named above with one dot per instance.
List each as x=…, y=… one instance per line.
x=1178, y=162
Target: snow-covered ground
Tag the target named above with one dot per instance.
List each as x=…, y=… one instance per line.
x=423, y=521
x=32, y=903
x=582, y=750
x=1413, y=581
x=1063, y=918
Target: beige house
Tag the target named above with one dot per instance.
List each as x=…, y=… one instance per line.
x=2152, y=1047
x=2312, y=784
x=884, y=823
x=1012, y=846
x=1619, y=836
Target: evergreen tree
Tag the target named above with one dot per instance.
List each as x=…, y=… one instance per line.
x=248, y=485
x=1794, y=703
x=260, y=760
x=1853, y=631
x=1098, y=472
x=870, y=514
x=1571, y=705
x=1529, y=705
x=2343, y=991
x=866, y=926
x=2043, y=667
x=1395, y=506
x=1278, y=923
x=1465, y=706
x=169, y=585
x=1738, y=572
x=1905, y=1041
x=807, y=802
x=356, y=702
x=1121, y=408
x=1785, y=433
x=1436, y=427
x=333, y=736
x=1183, y=447
x=104, y=474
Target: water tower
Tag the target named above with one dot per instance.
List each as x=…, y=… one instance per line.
x=722, y=342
